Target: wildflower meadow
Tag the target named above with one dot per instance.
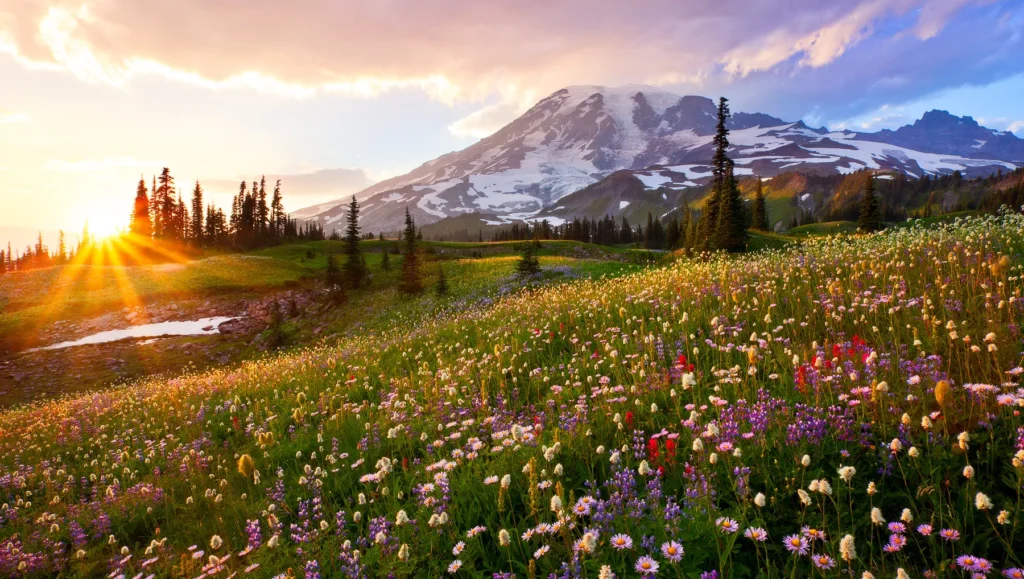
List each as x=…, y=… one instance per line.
x=848, y=407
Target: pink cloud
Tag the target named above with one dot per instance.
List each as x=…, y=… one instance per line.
x=452, y=48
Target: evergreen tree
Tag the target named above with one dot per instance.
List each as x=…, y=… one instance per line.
x=181, y=220
x=62, y=248
x=262, y=210
x=355, y=266
x=870, y=218
x=731, y=231
x=385, y=261
x=442, y=283
x=335, y=281
x=672, y=234
x=278, y=216
x=760, y=209
x=140, y=223
x=166, y=205
x=529, y=264
x=720, y=171
x=197, y=233
x=411, y=281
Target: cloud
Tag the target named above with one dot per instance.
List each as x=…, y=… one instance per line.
x=490, y=118
x=459, y=51
x=1016, y=126
x=98, y=165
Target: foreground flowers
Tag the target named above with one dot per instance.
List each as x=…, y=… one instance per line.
x=816, y=400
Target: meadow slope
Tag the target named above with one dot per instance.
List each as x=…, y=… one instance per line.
x=848, y=405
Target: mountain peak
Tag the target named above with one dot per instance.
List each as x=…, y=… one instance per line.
x=582, y=134
x=940, y=118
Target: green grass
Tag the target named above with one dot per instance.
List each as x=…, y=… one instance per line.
x=804, y=362
x=819, y=229
x=42, y=296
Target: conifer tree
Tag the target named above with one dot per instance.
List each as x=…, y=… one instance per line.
x=355, y=266
x=760, y=209
x=730, y=232
x=870, y=218
x=62, y=248
x=529, y=264
x=278, y=216
x=672, y=234
x=197, y=233
x=385, y=261
x=411, y=281
x=442, y=283
x=165, y=205
x=335, y=281
x=720, y=167
x=262, y=210
x=140, y=224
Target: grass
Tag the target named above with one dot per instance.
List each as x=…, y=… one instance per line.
x=792, y=393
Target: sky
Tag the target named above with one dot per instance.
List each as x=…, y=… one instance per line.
x=96, y=93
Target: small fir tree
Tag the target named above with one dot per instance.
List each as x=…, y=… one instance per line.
x=870, y=218
x=442, y=283
x=529, y=264
x=760, y=209
x=411, y=281
x=355, y=266
x=141, y=224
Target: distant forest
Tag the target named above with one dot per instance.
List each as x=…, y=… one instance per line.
x=161, y=214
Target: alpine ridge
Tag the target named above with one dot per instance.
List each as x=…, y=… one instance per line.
x=580, y=135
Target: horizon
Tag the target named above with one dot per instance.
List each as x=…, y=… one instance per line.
x=143, y=102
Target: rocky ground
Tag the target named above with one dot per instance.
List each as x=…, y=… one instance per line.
x=28, y=375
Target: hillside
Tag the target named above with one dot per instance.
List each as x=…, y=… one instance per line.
x=786, y=413
x=580, y=135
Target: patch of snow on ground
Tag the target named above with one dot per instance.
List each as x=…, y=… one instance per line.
x=653, y=181
x=623, y=204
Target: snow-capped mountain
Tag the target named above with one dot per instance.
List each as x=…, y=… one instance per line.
x=582, y=134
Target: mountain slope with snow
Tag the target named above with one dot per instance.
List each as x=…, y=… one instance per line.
x=579, y=135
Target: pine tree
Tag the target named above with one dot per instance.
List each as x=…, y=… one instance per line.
x=385, y=261
x=760, y=209
x=62, y=248
x=155, y=203
x=197, y=233
x=725, y=214
x=870, y=218
x=140, y=224
x=262, y=210
x=721, y=167
x=181, y=220
x=278, y=216
x=165, y=207
x=354, y=267
x=442, y=283
x=335, y=281
x=411, y=281
x=529, y=264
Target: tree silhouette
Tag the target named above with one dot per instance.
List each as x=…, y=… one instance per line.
x=529, y=264
x=870, y=218
x=411, y=281
x=140, y=223
x=355, y=265
x=760, y=221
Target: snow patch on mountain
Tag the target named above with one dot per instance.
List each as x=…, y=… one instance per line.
x=580, y=135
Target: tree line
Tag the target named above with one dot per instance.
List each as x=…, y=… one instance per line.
x=257, y=218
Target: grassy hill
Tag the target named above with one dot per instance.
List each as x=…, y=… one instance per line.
x=784, y=413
